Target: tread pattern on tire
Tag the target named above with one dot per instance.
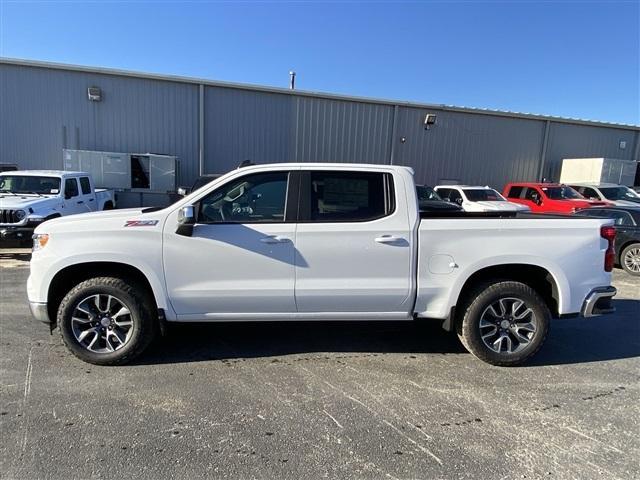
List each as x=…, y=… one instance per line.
x=142, y=302
x=476, y=297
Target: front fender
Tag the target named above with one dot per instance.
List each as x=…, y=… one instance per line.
x=43, y=272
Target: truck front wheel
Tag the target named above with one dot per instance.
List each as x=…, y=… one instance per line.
x=106, y=321
x=504, y=323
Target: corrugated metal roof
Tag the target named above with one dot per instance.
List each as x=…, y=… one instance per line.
x=201, y=81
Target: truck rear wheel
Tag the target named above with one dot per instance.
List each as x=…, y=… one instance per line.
x=504, y=323
x=630, y=259
x=106, y=321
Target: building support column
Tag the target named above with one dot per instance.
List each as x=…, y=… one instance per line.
x=201, y=129
x=394, y=123
x=543, y=151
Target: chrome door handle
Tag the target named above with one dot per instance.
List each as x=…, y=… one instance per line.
x=387, y=239
x=274, y=239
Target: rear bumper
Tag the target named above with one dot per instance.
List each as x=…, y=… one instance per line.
x=598, y=302
x=40, y=312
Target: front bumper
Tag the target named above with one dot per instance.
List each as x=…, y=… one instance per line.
x=598, y=302
x=10, y=234
x=40, y=312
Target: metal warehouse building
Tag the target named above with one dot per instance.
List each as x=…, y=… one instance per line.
x=213, y=126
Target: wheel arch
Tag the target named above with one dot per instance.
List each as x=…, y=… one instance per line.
x=537, y=277
x=71, y=275
x=629, y=242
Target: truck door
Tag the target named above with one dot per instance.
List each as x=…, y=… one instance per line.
x=353, y=246
x=72, y=202
x=87, y=196
x=240, y=256
x=533, y=199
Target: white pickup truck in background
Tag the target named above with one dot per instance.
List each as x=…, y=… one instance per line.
x=30, y=197
x=316, y=242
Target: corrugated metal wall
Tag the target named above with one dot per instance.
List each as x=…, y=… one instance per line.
x=244, y=125
x=582, y=141
x=45, y=109
x=475, y=149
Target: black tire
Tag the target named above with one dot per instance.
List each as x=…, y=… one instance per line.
x=480, y=300
x=139, y=303
x=108, y=206
x=628, y=251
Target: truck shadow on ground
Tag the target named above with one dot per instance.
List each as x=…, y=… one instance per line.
x=570, y=341
x=579, y=340
x=14, y=257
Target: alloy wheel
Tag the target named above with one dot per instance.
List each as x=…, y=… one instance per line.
x=508, y=325
x=102, y=323
x=632, y=260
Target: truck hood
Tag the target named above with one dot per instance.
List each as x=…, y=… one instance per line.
x=96, y=221
x=22, y=202
x=500, y=206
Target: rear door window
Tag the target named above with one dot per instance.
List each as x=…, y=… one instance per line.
x=85, y=184
x=347, y=196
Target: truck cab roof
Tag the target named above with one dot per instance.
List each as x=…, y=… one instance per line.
x=45, y=173
x=536, y=184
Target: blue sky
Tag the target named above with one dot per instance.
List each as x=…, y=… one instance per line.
x=571, y=58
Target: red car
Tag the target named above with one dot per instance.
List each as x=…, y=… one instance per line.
x=549, y=197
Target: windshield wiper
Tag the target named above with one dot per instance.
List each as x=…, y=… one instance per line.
x=8, y=191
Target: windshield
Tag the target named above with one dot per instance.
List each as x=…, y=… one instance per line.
x=426, y=193
x=483, y=195
x=561, y=193
x=29, y=184
x=619, y=193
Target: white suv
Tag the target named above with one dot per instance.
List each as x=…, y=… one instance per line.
x=478, y=199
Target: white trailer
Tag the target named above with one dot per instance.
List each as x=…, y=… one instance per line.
x=141, y=179
x=599, y=170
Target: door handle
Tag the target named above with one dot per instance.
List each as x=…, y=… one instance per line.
x=387, y=239
x=80, y=201
x=274, y=239
x=91, y=199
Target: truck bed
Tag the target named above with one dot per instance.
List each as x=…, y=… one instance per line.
x=451, y=247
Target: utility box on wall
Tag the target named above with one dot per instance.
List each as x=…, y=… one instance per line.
x=141, y=179
x=599, y=170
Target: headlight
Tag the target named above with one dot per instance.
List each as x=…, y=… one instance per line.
x=40, y=241
x=20, y=214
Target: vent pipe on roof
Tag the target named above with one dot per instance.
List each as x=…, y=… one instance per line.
x=292, y=80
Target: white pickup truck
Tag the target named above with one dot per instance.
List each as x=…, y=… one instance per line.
x=30, y=197
x=316, y=242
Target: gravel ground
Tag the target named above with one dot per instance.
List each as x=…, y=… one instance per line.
x=293, y=400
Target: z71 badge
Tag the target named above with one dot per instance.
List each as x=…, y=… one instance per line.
x=141, y=223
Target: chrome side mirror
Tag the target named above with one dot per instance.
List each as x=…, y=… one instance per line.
x=186, y=220
x=182, y=191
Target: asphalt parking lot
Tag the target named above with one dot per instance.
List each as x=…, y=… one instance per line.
x=291, y=400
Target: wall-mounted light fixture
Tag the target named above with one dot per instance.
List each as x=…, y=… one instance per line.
x=94, y=94
x=429, y=119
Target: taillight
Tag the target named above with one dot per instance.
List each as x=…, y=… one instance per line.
x=609, y=234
